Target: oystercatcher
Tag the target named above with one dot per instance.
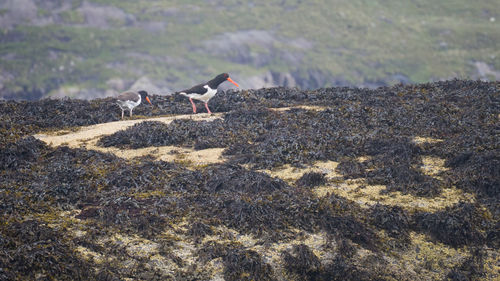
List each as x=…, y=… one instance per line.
x=129, y=100
x=204, y=92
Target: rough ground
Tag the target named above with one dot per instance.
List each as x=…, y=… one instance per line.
x=396, y=183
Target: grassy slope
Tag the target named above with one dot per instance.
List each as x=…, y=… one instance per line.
x=358, y=41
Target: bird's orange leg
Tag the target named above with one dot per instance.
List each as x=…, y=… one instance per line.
x=192, y=103
x=208, y=109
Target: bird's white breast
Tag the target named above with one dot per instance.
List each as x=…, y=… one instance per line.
x=205, y=97
x=209, y=94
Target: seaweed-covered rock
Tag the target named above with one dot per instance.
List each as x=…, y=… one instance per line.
x=153, y=133
x=20, y=153
x=143, y=199
x=246, y=265
x=237, y=179
x=461, y=224
x=31, y=250
x=199, y=230
x=476, y=172
x=351, y=169
x=470, y=269
x=394, y=220
x=303, y=262
x=395, y=161
x=311, y=179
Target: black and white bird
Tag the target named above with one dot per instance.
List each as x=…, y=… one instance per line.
x=129, y=100
x=204, y=92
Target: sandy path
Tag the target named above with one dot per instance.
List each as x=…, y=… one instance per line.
x=95, y=131
x=87, y=137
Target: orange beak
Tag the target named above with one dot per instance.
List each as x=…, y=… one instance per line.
x=149, y=101
x=231, y=80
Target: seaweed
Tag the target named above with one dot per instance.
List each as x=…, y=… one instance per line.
x=471, y=268
x=477, y=172
x=212, y=250
x=144, y=198
x=302, y=262
x=459, y=225
x=352, y=169
x=394, y=220
x=31, y=250
x=187, y=133
x=21, y=153
x=311, y=179
x=395, y=160
x=239, y=263
x=246, y=265
x=199, y=230
x=236, y=179
x=345, y=219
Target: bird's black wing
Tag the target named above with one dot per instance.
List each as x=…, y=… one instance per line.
x=128, y=96
x=198, y=89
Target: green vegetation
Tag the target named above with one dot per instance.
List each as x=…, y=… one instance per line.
x=348, y=42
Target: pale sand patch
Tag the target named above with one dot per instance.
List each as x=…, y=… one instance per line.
x=369, y=195
x=88, y=136
x=432, y=166
x=270, y=253
x=429, y=256
x=306, y=107
x=87, y=133
x=290, y=174
x=140, y=248
x=419, y=140
x=88, y=254
x=363, y=158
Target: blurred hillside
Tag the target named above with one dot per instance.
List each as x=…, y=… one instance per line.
x=88, y=49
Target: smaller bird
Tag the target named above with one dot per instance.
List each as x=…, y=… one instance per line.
x=204, y=92
x=130, y=99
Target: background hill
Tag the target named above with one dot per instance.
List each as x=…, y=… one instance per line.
x=95, y=48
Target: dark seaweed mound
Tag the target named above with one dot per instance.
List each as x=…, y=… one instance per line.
x=187, y=133
x=303, y=262
x=462, y=224
x=246, y=265
x=146, y=198
x=394, y=220
x=35, y=251
x=311, y=179
x=20, y=153
x=477, y=172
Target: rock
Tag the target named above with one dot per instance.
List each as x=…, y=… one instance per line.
x=99, y=16
x=116, y=84
x=484, y=70
x=144, y=83
x=17, y=12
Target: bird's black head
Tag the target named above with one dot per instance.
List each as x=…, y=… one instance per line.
x=144, y=95
x=214, y=83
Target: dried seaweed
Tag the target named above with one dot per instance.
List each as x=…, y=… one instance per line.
x=246, y=265
x=31, y=250
x=144, y=198
x=311, y=179
x=303, y=262
x=394, y=220
x=461, y=224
